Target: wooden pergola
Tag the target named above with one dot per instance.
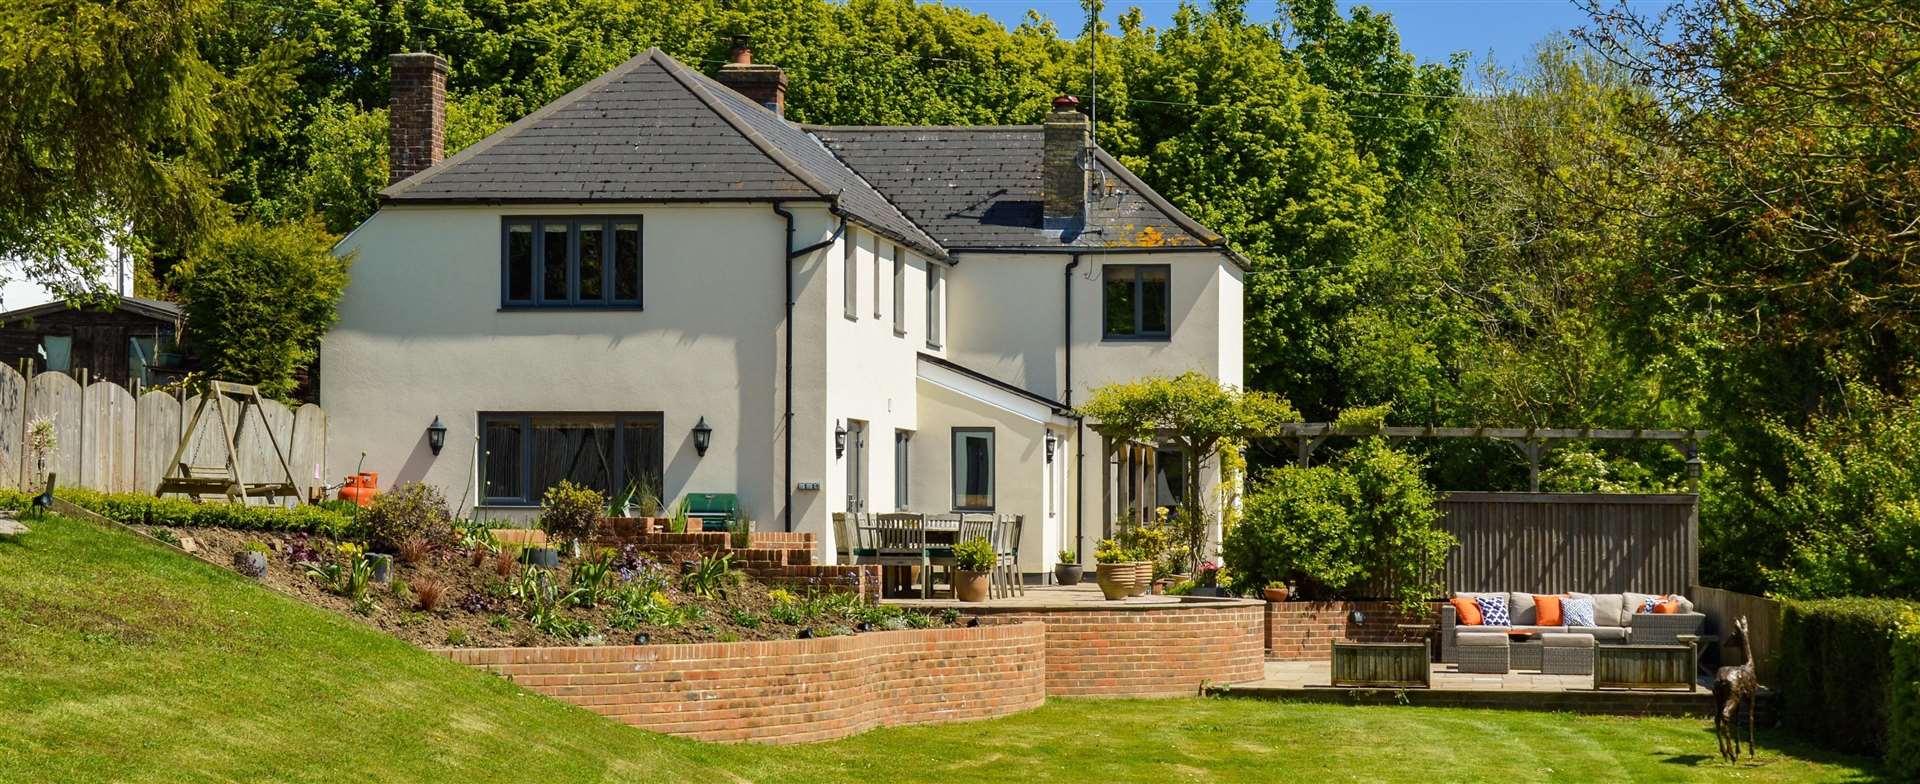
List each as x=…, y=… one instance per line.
x=1127, y=474
x=1531, y=442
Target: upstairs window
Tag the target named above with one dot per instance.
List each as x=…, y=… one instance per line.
x=850, y=272
x=934, y=314
x=571, y=262
x=1137, y=303
x=899, y=291
x=880, y=262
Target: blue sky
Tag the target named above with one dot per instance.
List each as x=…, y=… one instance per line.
x=1505, y=30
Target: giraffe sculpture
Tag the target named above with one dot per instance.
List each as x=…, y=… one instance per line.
x=1731, y=687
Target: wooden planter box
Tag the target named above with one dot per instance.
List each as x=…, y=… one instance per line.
x=1643, y=667
x=1400, y=665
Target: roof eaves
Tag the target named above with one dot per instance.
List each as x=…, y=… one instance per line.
x=402, y=187
x=1057, y=406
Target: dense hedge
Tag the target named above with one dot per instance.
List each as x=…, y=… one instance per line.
x=1848, y=675
x=137, y=509
x=1903, y=708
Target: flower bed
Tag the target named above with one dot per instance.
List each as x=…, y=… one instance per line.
x=492, y=600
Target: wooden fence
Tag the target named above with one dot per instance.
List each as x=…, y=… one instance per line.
x=1763, y=616
x=1554, y=542
x=110, y=441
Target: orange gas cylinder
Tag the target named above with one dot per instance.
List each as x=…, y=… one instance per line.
x=361, y=488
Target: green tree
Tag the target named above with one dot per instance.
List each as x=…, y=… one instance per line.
x=115, y=122
x=259, y=297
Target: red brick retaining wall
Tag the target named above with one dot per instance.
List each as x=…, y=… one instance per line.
x=1144, y=650
x=1305, y=631
x=790, y=691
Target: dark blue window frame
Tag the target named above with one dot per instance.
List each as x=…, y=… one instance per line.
x=610, y=256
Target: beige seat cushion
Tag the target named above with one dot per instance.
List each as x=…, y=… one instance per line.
x=1608, y=608
x=1520, y=609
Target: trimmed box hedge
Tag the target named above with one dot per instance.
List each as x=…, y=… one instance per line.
x=176, y=512
x=1848, y=676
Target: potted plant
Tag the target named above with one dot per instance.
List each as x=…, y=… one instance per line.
x=1276, y=591
x=1069, y=570
x=251, y=560
x=972, y=561
x=1112, y=570
x=1207, y=581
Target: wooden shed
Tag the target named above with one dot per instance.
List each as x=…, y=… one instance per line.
x=130, y=341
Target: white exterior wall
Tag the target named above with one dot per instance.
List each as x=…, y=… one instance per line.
x=1008, y=318
x=869, y=373
x=422, y=334
x=1023, y=482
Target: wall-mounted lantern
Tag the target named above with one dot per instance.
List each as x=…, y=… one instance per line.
x=702, y=437
x=839, y=439
x=1053, y=443
x=436, y=436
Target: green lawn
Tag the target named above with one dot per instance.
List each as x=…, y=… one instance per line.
x=123, y=661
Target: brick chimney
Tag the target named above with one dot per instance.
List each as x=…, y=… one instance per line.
x=763, y=84
x=1063, y=169
x=417, y=121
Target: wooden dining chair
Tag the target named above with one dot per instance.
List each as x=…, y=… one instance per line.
x=1006, y=550
x=900, y=539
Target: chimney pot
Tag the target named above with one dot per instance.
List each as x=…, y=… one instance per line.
x=762, y=83
x=1063, y=166
x=417, y=117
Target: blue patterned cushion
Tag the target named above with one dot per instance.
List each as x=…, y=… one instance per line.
x=1577, y=611
x=1493, y=610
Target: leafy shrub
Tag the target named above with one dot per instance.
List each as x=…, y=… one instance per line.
x=259, y=297
x=411, y=510
x=176, y=512
x=568, y=512
x=1369, y=524
x=1903, y=708
x=973, y=555
x=1841, y=519
x=1837, y=662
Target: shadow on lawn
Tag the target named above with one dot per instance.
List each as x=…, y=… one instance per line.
x=1775, y=744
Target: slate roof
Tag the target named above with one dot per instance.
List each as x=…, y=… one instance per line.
x=979, y=187
x=652, y=129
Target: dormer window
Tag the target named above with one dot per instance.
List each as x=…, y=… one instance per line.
x=571, y=262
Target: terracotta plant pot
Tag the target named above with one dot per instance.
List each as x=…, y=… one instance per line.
x=1068, y=574
x=1142, y=578
x=1275, y=594
x=1116, y=580
x=970, y=586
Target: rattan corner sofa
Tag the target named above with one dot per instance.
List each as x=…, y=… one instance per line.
x=1616, y=618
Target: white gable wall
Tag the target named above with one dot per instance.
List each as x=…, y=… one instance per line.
x=422, y=334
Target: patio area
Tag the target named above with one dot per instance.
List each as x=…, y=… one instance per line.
x=1311, y=681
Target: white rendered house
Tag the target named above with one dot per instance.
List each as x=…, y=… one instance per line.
x=866, y=318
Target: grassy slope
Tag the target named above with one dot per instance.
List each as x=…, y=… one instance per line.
x=123, y=661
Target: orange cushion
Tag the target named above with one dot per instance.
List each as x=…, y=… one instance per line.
x=1669, y=607
x=1469, y=612
x=1549, y=609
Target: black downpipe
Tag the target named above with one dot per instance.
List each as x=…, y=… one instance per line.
x=786, y=422
x=792, y=253
x=1079, y=426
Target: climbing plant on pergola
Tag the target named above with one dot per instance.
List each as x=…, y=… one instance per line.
x=1194, y=413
